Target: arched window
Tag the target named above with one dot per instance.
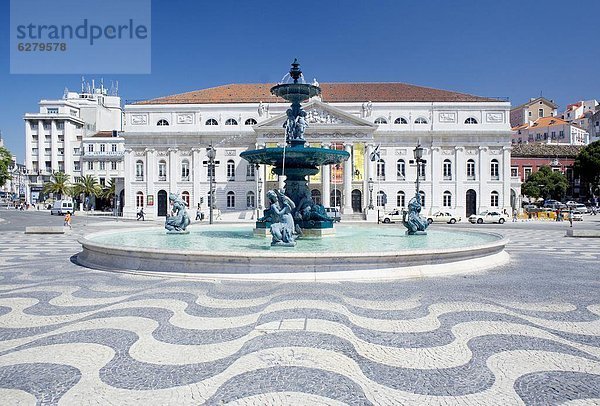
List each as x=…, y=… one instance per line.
x=139, y=199
x=230, y=200
x=400, y=199
x=400, y=120
x=381, y=120
x=208, y=199
x=250, y=172
x=250, y=200
x=400, y=169
x=162, y=170
x=494, y=169
x=422, y=170
x=421, y=120
x=139, y=170
x=447, y=169
x=470, y=169
x=250, y=121
x=447, y=199
x=185, y=170
x=381, y=198
x=231, y=169
x=315, y=194
x=381, y=169
x=185, y=196
x=494, y=199
x=231, y=121
x=212, y=121
x=422, y=198
x=162, y=122
x=470, y=120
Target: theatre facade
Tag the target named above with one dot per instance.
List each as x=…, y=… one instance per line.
x=466, y=141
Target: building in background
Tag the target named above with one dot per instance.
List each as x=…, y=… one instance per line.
x=527, y=159
x=467, y=141
x=534, y=109
x=54, y=136
x=582, y=114
x=550, y=130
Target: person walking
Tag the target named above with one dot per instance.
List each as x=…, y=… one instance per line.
x=140, y=215
x=198, y=213
x=515, y=215
x=571, y=218
x=68, y=220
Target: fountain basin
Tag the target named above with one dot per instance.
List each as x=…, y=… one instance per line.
x=296, y=157
x=334, y=258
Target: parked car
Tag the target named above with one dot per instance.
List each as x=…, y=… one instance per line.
x=577, y=216
x=580, y=207
x=442, y=217
x=488, y=217
x=554, y=204
x=334, y=213
x=391, y=216
x=61, y=207
x=571, y=203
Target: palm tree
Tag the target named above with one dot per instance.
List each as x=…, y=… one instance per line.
x=58, y=184
x=88, y=186
x=109, y=190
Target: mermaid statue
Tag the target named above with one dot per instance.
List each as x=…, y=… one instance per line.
x=177, y=222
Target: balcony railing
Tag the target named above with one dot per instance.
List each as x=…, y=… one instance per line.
x=162, y=178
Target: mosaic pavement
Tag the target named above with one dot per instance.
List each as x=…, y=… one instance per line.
x=525, y=333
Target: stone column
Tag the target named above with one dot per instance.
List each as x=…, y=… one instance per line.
x=325, y=182
x=173, y=174
x=460, y=174
x=368, y=171
x=150, y=178
x=348, y=180
x=483, y=199
x=128, y=177
x=435, y=201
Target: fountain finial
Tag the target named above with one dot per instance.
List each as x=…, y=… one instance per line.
x=295, y=71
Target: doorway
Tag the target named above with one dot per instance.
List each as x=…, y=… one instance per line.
x=162, y=203
x=471, y=202
x=357, y=201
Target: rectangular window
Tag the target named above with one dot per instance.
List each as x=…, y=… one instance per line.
x=471, y=169
x=61, y=151
x=102, y=165
x=527, y=172
x=113, y=165
x=494, y=170
x=102, y=148
x=52, y=110
x=91, y=148
x=61, y=166
x=90, y=166
x=46, y=125
x=47, y=151
x=250, y=172
x=113, y=147
x=514, y=172
x=76, y=166
x=76, y=151
x=540, y=112
x=60, y=126
x=561, y=134
x=447, y=172
x=61, y=138
x=102, y=181
x=34, y=151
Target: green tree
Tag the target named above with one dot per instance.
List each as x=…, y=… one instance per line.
x=109, y=190
x=5, y=163
x=545, y=183
x=587, y=164
x=88, y=186
x=59, y=184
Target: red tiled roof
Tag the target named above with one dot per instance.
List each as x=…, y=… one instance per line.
x=545, y=150
x=331, y=92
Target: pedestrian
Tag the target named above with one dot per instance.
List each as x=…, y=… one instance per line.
x=515, y=215
x=68, y=220
x=140, y=214
x=198, y=213
x=571, y=218
x=557, y=214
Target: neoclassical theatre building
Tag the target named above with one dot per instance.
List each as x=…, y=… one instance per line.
x=467, y=141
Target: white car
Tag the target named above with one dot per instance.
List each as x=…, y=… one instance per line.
x=391, y=216
x=442, y=217
x=580, y=207
x=577, y=216
x=488, y=217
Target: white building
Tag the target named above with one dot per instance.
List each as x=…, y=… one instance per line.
x=54, y=135
x=550, y=130
x=467, y=141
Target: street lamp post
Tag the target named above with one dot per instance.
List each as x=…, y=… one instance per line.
x=418, y=154
x=370, y=183
x=211, y=153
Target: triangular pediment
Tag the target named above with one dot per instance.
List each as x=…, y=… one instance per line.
x=320, y=116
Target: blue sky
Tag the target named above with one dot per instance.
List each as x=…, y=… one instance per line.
x=514, y=49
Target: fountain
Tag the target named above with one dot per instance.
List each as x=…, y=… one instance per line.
x=355, y=252
x=295, y=161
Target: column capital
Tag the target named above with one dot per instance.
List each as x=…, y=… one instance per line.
x=172, y=149
x=461, y=149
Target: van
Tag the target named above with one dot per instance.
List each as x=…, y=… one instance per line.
x=61, y=207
